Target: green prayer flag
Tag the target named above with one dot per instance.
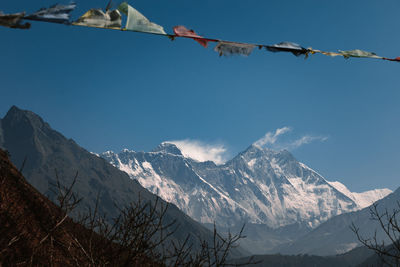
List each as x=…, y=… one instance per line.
x=358, y=53
x=137, y=22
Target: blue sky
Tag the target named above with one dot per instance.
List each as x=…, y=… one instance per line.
x=109, y=90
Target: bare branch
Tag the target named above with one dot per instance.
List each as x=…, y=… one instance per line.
x=389, y=224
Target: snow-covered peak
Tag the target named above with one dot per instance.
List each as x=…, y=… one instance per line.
x=363, y=199
x=255, y=151
x=96, y=154
x=108, y=153
x=167, y=147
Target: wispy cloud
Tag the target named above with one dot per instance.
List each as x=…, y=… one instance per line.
x=218, y=153
x=307, y=139
x=202, y=151
x=271, y=140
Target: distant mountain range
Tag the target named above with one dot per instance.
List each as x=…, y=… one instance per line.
x=258, y=186
x=42, y=153
x=287, y=206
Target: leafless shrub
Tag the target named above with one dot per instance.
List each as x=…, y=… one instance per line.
x=139, y=236
x=215, y=253
x=388, y=252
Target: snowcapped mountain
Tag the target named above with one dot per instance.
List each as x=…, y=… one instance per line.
x=364, y=199
x=259, y=186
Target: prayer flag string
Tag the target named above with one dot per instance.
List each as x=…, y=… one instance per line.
x=137, y=22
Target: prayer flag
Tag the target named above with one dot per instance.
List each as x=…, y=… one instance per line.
x=397, y=59
x=182, y=31
x=56, y=14
x=293, y=48
x=13, y=20
x=358, y=53
x=231, y=48
x=97, y=18
x=137, y=22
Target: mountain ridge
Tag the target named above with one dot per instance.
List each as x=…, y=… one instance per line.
x=335, y=236
x=279, y=198
x=255, y=169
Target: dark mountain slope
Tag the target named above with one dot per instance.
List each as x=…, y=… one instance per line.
x=349, y=259
x=26, y=218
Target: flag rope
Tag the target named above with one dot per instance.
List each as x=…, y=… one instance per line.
x=136, y=22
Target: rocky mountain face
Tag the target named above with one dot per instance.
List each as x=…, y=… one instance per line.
x=258, y=186
x=43, y=154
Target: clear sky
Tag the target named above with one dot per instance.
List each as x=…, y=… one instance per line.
x=109, y=90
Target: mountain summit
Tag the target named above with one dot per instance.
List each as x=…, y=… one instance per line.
x=168, y=148
x=258, y=186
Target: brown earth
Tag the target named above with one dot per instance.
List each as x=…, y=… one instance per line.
x=28, y=232
x=36, y=232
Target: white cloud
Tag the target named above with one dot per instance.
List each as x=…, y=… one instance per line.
x=307, y=139
x=271, y=140
x=201, y=151
x=218, y=153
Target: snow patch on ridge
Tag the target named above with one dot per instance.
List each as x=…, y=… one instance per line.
x=130, y=168
x=275, y=166
x=170, y=192
x=363, y=199
x=308, y=168
x=346, y=247
x=251, y=163
x=230, y=201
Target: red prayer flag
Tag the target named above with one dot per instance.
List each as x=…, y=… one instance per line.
x=392, y=59
x=182, y=31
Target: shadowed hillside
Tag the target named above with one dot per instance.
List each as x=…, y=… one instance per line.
x=33, y=230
